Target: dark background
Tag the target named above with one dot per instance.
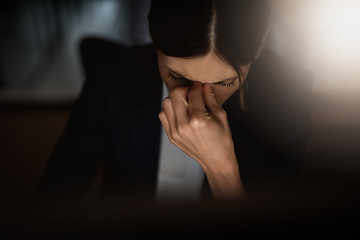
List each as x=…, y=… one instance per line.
x=41, y=76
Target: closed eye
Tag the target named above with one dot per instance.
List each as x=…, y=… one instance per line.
x=227, y=83
x=179, y=79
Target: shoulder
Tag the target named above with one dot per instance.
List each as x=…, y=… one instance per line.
x=279, y=99
x=276, y=83
x=278, y=76
x=97, y=53
x=120, y=74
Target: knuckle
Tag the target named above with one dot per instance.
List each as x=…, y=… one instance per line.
x=192, y=92
x=175, y=136
x=221, y=113
x=165, y=101
x=178, y=91
x=198, y=122
x=183, y=128
x=173, y=93
x=172, y=140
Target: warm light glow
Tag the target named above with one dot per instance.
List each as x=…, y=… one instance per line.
x=332, y=32
x=336, y=25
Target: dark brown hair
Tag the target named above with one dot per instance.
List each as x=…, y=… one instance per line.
x=234, y=30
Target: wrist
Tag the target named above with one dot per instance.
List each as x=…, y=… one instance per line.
x=225, y=182
x=225, y=174
x=224, y=168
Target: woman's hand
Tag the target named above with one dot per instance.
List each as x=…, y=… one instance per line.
x=195, y=122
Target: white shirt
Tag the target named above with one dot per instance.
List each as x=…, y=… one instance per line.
x=180, y=177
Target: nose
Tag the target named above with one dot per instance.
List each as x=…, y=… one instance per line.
x=196, y=83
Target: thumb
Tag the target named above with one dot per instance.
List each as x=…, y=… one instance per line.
x=210, y=98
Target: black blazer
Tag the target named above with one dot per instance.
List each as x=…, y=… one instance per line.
x=115, y=122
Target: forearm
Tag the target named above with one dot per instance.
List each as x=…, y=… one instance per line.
x=225, y=183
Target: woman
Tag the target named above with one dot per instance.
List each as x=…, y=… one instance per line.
x=233, y=107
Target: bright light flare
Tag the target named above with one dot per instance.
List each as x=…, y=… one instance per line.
x=336, y=26
x=332, y=29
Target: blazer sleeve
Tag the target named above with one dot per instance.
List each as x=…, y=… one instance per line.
x=286, y=134
x=288, y=125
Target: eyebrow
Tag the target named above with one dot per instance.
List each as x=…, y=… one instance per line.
x=179, y=75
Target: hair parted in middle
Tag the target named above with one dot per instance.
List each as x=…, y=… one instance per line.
x=234, y=30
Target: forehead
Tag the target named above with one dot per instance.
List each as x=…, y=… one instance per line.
x=208, y=68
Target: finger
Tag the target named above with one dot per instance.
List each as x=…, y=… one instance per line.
x=196, y=100
x=180, y=105
x=169, y=113
x=165, y=123
x=210, y=98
